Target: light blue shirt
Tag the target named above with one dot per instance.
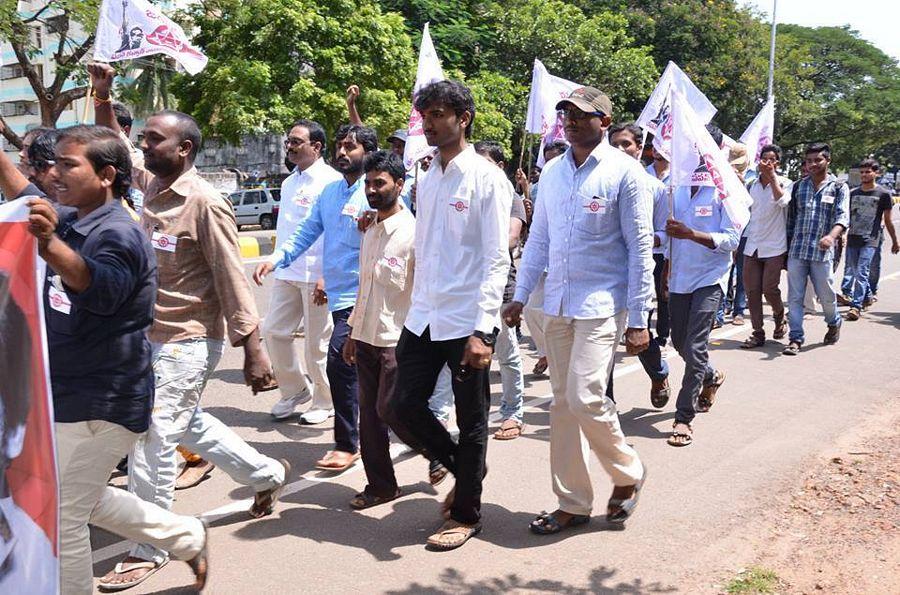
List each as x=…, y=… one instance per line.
x=593, y=232
x=406, y=194
x=334, y=214
x=693, y=265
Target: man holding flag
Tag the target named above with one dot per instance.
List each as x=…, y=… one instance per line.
x=704, y=229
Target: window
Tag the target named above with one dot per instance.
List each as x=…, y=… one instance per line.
x=19, y=108
x=37, y=37
x=251, y=198
x=14, y=71
x=276, y=194
x=235, y=199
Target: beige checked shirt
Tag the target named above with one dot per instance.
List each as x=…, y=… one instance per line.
x=202, y=286
x=386, y=265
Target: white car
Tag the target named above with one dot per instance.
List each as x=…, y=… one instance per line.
x=256, y=207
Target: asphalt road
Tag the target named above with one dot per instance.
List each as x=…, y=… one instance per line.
x=698, y=514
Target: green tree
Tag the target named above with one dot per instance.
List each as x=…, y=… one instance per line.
x=62, y=24
x=148, y=85
x=272, y=61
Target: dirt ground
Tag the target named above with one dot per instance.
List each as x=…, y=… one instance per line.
x=838, y=530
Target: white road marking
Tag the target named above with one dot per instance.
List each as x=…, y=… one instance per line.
x=120, y=548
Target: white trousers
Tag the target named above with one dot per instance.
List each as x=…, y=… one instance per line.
x=582, y=418
x=290, y=305
x=534, y=316
x=87, y=452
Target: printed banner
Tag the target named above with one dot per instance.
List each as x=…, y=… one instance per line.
x=760, y=132
x=542, y=117
x=29, y=517
x=429, y=71
x=129, y=29
x=696, y=158
x=656, y=116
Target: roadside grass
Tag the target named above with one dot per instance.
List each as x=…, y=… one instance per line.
x=753, y=580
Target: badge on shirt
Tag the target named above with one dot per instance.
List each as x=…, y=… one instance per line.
x=595, y=205
x=395, y=262
x=163, y=241
x=350, y=210
x=703, y=211
x=828, y=198
x=58, y=299
x=460, y=204
x=302, y=200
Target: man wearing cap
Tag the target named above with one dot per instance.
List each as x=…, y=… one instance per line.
x=593, y=232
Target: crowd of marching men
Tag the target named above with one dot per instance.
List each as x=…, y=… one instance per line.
x=407, y=285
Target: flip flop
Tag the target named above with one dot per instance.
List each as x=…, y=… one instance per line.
x=546, y=523
x=365, y=500
x=626, y=506
x=264, y=501
x=123, y=567
x=460, y=533
x=324, y=465
x=502, y=433
x=436, y=472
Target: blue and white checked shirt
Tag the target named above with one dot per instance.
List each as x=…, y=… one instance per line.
x=333, y=214
x=593, y=232
x=812, y=214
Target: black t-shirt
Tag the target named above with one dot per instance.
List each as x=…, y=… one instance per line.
x=867, y=208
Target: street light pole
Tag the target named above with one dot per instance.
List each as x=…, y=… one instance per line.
x=772, y=48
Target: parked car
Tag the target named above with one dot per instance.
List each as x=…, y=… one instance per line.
x=256, y=207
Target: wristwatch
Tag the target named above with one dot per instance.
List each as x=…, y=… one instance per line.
x=487, y=339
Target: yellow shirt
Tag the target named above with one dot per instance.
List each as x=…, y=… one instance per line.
x=386, y=265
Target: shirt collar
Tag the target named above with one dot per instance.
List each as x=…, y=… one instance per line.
x=311, y=170
x=182, y=186
x=460, y=162
x=393, y=222
x=86, y=225
x=597, y=155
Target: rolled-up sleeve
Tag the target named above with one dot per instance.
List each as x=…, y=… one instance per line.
x=842, y=207
x=115, y=262
x=636, y=200
x=496, y=204
x=218, y=239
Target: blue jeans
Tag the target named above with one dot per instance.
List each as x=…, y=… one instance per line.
x=506, y=350
x=820, y=273
x=857, y=268
x=344, y=386
x=875, y=269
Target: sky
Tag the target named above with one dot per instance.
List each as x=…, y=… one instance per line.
x=877, y=21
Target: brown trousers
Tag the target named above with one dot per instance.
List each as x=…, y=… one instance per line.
x=761, y=278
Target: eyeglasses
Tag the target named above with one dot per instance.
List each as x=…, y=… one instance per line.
x=295, y=142
x=577, y=114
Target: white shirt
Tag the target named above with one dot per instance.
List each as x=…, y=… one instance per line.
x=299, y=192
x=462, y=247
x=593, y=232
x=766, y=232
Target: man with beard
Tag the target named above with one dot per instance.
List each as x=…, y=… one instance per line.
x=202, y=289
x=335, y=216
x=298, y=294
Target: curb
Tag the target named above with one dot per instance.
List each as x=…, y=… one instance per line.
x=252, y=247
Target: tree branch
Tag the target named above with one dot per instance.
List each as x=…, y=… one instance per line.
x=31, y=73
x=38, y=14
x=13, y=138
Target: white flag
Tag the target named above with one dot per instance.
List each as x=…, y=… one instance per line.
x=760, y=132
x=655, y=116
x=129, y=29
x=697, y=159
x=546, y=91
x=429, y=71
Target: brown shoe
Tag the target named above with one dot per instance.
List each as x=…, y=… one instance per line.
x=833, y=334
x=843, y=300
x=780, y=329
x=852, y=314
x=659, y=393
x=193, y=473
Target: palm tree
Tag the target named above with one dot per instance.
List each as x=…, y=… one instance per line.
x=148, y=85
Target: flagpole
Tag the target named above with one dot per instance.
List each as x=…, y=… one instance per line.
x=522, y=151
x=772, y=48
x=87, y=104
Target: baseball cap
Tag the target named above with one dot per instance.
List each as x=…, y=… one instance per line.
x=588, y=99
x=399, y=135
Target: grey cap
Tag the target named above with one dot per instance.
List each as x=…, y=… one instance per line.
x=399, y=135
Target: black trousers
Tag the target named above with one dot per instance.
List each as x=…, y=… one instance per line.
x=344, y=386
x=419, y=361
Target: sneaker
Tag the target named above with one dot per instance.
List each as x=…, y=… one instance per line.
x=843, y=300
x=793, y=348
x=852, y=314
x=833, y=334
x=316, y=416
x=285, y=407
